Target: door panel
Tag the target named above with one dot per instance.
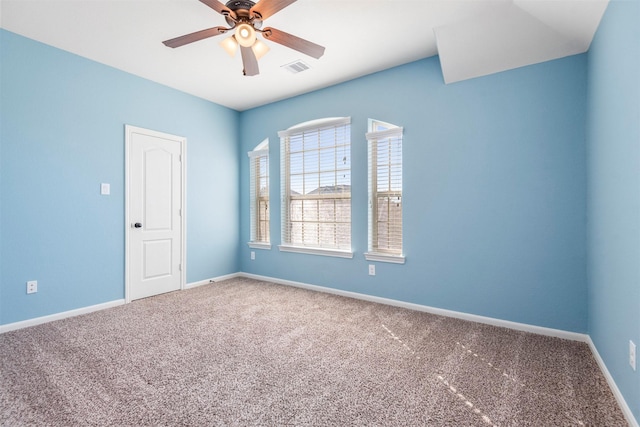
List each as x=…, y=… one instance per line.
x=157, y=258
x=154, y=208
x=158, y=186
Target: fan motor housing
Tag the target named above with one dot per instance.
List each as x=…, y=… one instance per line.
x=240, y=4
x=241, y=9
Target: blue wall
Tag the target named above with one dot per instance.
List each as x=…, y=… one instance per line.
x=614, y=193
x=62, y=135
x=494, y=190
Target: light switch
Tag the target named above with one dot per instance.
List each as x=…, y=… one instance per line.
x=105, y=189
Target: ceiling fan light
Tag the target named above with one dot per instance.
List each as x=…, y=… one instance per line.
x=230, y=45
x=245, y=35
x=260, y=49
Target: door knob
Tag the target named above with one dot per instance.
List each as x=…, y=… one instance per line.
x=137, y=225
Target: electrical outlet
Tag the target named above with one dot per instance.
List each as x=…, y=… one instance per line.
x=632, y=355
x=253, y=255
x=372, y=269
x=32, y=286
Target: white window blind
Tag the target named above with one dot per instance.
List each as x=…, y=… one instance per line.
x=259, y=193
x=316, y=185
x=385, y=194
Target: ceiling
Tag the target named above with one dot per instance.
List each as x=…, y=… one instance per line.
x=472, y=37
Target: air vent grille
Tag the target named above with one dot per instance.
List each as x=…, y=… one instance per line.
x=296, y=67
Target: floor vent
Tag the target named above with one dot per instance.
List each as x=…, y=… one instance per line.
x=296, y=67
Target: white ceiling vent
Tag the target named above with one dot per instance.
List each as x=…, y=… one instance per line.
x=296, y=67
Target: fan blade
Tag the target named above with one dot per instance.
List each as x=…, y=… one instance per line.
x=217, y=6
x=249, y=61
x=194, y=37
x=266, y=8
x=293, y=42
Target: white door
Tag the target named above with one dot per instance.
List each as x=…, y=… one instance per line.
x=155, y=228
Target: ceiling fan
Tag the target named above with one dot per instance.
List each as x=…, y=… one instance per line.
x=246, y=16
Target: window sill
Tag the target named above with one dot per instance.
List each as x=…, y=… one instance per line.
x=395, y=259
x=259, y=245
x=317, y=251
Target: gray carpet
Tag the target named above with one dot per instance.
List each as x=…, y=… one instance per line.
x=243, y=352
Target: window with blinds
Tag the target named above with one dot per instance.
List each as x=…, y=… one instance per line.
x=316, y=187
x=385, y=192
x=259, y=195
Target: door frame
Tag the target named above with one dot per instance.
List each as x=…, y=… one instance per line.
x=129, y=131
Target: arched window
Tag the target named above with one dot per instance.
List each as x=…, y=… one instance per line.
x=259, y=195
x=316, y=187
x=385, y=192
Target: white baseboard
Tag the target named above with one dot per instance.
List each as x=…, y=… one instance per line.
x=558, y=333
x=626, y=410
x=57, y=316
x=474, y=318
x=212, y=280
x=84, y=310
x=418, y=307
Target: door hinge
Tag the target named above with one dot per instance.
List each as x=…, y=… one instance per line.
x=180, y=267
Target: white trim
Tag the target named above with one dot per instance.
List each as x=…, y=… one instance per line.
x=373, y=124
x=58, y=316
x=198, y=283
x=258, y=153
x=395, y=259
x=541, y=330
x=383, y=134
x=264, y=145
x=90, y=309
x=316, y=251
x=129, y=129
x=626, y=410
x=314, y=124
x=127, y=217
x=211, y=280
x=259, y=245
x=183, y=213
x=557, y=333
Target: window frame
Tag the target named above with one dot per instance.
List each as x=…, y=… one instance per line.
x=256, y=196
x=382, y=131
x=287, y=197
